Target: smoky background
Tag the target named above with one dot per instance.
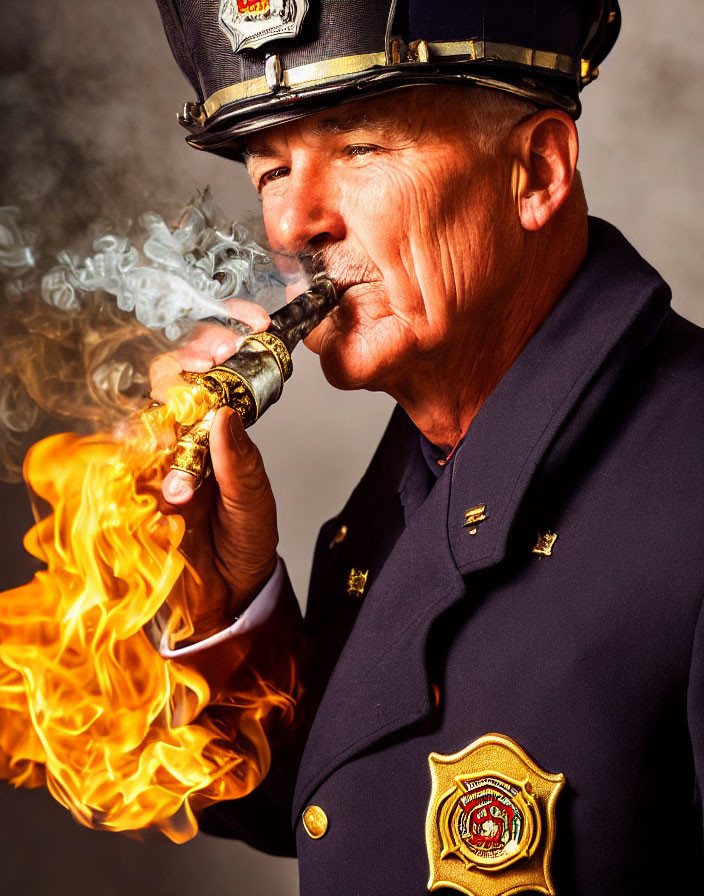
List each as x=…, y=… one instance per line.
x=89, y=96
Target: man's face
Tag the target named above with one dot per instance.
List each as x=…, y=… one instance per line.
x=409, y=217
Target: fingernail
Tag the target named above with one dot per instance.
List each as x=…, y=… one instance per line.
x=239, y=327
x=236, y=430
x=178, y=487
x=223, y=352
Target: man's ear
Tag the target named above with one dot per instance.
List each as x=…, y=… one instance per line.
x=545, y=148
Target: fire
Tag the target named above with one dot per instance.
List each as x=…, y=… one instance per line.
x=259, y=8
x=120, y=735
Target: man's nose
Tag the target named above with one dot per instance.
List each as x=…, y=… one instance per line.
x=307, y=215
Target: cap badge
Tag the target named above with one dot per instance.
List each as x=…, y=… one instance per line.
x=491, y=820
x=251, y=23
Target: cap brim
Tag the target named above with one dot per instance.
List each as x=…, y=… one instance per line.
x=227, y=130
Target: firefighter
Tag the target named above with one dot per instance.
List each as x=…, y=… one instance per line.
x=503, y=641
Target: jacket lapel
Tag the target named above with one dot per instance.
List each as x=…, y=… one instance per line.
x=379, y=685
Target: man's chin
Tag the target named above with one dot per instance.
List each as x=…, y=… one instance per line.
x=343, y=367
x=353, y=353
x=339, y=378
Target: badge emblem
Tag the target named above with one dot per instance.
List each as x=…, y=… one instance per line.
x=491, y=820
x=251, y=23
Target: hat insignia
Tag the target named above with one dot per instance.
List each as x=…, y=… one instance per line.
x=251, y=23
x=490, y=827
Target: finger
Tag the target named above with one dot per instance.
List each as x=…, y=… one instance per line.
x=244, y=526
x=237, y=463
x=164, y=373
x=195, y=510
x=178, y=488
x=248, y=313
x=209, y=344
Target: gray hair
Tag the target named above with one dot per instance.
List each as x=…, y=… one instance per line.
x=491, y=114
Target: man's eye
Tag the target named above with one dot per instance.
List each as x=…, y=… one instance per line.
x=274, y=174
x=361, y=149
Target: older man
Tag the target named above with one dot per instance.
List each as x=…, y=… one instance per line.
x=507, y=682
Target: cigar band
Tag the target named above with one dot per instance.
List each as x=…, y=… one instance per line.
x=277, y=348
x=231, y=389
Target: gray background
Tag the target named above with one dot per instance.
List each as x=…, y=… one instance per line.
x=89, y=103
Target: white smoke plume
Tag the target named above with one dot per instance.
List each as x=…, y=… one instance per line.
x=80, y=336
x=177, y=275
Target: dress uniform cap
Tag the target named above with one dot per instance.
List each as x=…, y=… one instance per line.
x=258, y=63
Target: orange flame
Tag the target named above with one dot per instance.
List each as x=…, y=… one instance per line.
x=120, y=735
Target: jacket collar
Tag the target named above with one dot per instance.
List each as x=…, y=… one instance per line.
x=608, y=314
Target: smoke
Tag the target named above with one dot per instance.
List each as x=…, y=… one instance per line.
x=79, y=337
x=52, y=166
x=175, y=275
x=93, y=287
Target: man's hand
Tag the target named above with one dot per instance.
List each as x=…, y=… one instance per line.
x=231, y=533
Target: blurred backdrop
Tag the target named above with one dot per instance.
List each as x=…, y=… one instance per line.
x=89, y=100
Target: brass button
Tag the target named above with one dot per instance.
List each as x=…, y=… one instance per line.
x=315, y=821
x=339, y=536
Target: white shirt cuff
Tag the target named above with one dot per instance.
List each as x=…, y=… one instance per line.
x=256, y=614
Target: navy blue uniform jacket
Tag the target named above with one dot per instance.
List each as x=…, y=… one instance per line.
x=591, y=659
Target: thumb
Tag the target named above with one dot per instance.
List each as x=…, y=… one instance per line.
x=244, y=524
x=237, y=463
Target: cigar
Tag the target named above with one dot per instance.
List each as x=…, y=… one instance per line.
x=253, y=378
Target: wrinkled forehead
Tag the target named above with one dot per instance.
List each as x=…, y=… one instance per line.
x=403, y=113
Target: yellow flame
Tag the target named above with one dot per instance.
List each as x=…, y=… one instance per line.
x=122, y=737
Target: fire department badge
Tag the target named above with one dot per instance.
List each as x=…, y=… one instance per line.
x=251, y=23
x=491, y=820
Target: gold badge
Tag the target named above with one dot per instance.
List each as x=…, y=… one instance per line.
x=491, y=820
